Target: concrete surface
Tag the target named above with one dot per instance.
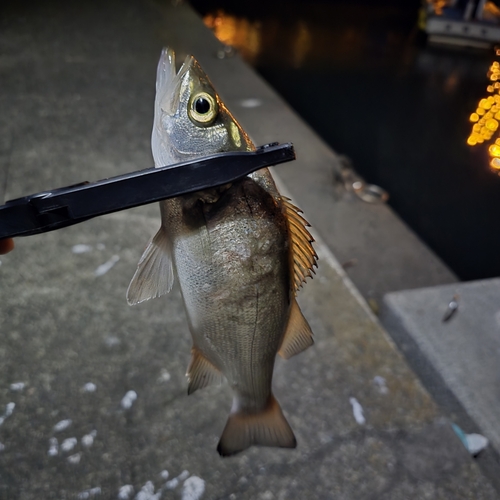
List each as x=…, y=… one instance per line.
x=457, y=359
x=93, y=397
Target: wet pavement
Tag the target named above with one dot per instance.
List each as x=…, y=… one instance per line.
x=93, y=398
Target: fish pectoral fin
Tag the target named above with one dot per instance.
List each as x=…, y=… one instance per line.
x=155, y=274
x=304, y=257
x=201, y=372
x=267, y=428
x=298, y=335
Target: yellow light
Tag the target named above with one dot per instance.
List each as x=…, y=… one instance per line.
x=484, y=103
x=490, y=99
x=495, y=163
x=480, y=111
x=476, y=128
x=488, y=115
x=494, y=150
x=471, y=141
x=474, y=117
x=480, y=140
x=497, y=141
x=490, y=88
x=492, y=124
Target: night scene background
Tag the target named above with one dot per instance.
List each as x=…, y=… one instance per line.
x=361, y=74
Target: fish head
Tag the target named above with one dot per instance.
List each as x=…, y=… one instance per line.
x=190, y=118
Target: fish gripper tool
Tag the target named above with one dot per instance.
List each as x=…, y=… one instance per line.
x=62, y=207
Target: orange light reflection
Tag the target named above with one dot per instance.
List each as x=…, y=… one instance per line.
x=486, y=118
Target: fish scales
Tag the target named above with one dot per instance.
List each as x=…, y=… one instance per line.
x=239, y=261
x=232, y=249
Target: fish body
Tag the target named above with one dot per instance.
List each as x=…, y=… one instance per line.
x=239, y=252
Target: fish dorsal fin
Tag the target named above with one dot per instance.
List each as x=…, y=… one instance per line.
x=154, y=275
x=298, y=335
x=201, y=372
x=304, y=258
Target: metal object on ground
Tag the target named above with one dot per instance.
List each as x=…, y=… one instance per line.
x=451, y=310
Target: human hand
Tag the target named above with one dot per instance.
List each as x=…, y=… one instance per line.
x=6, y=245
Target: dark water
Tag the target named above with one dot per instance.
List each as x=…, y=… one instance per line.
x=359, y=73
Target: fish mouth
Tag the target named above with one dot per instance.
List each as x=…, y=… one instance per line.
x=168, y=81
x=167, y=100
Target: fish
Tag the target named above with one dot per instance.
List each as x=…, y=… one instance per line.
x=239, y=252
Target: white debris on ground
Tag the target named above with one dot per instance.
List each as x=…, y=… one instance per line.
x=89, y=387
x=173, y=483
x=88, y=439
x=474, y=443
x=128, y=400
x=69, y=444
x=252, y=102
x=53, y=447
x=62, y=425
x=81, y=248
x=183, y=475
x=381, y=384
x=193, y=488
x=164, y=377
x=75, y=459
x=112, y=341
x=17, y=386
x=9, y=409
x=357, y=411
x=92, y=493
x=126, y=492
x=148, y=492
x=104, y=268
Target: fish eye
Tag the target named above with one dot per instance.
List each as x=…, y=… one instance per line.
x=203, y=109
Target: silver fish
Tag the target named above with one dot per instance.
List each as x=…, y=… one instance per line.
x=239, y=252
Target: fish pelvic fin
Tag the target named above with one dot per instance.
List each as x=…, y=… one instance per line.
x=155, y=274
x=303, y=256
x=201, y=372
x=267, y=428
x=298, y=335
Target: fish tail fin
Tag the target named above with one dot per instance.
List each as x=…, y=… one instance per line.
x=267, y=428
x=154, y=275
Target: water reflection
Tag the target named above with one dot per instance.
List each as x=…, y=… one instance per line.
x=340, y=35
x=237, y=32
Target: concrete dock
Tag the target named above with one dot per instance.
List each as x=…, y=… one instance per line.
x=93, y=397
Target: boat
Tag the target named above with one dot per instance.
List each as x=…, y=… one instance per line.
x=466, y=23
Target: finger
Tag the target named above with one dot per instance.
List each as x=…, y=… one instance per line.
x=6, y=245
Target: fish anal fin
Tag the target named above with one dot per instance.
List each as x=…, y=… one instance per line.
x=201, y=372
x=154, y=275
x=303, y=258
x=298, y=335
x=267, y=428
